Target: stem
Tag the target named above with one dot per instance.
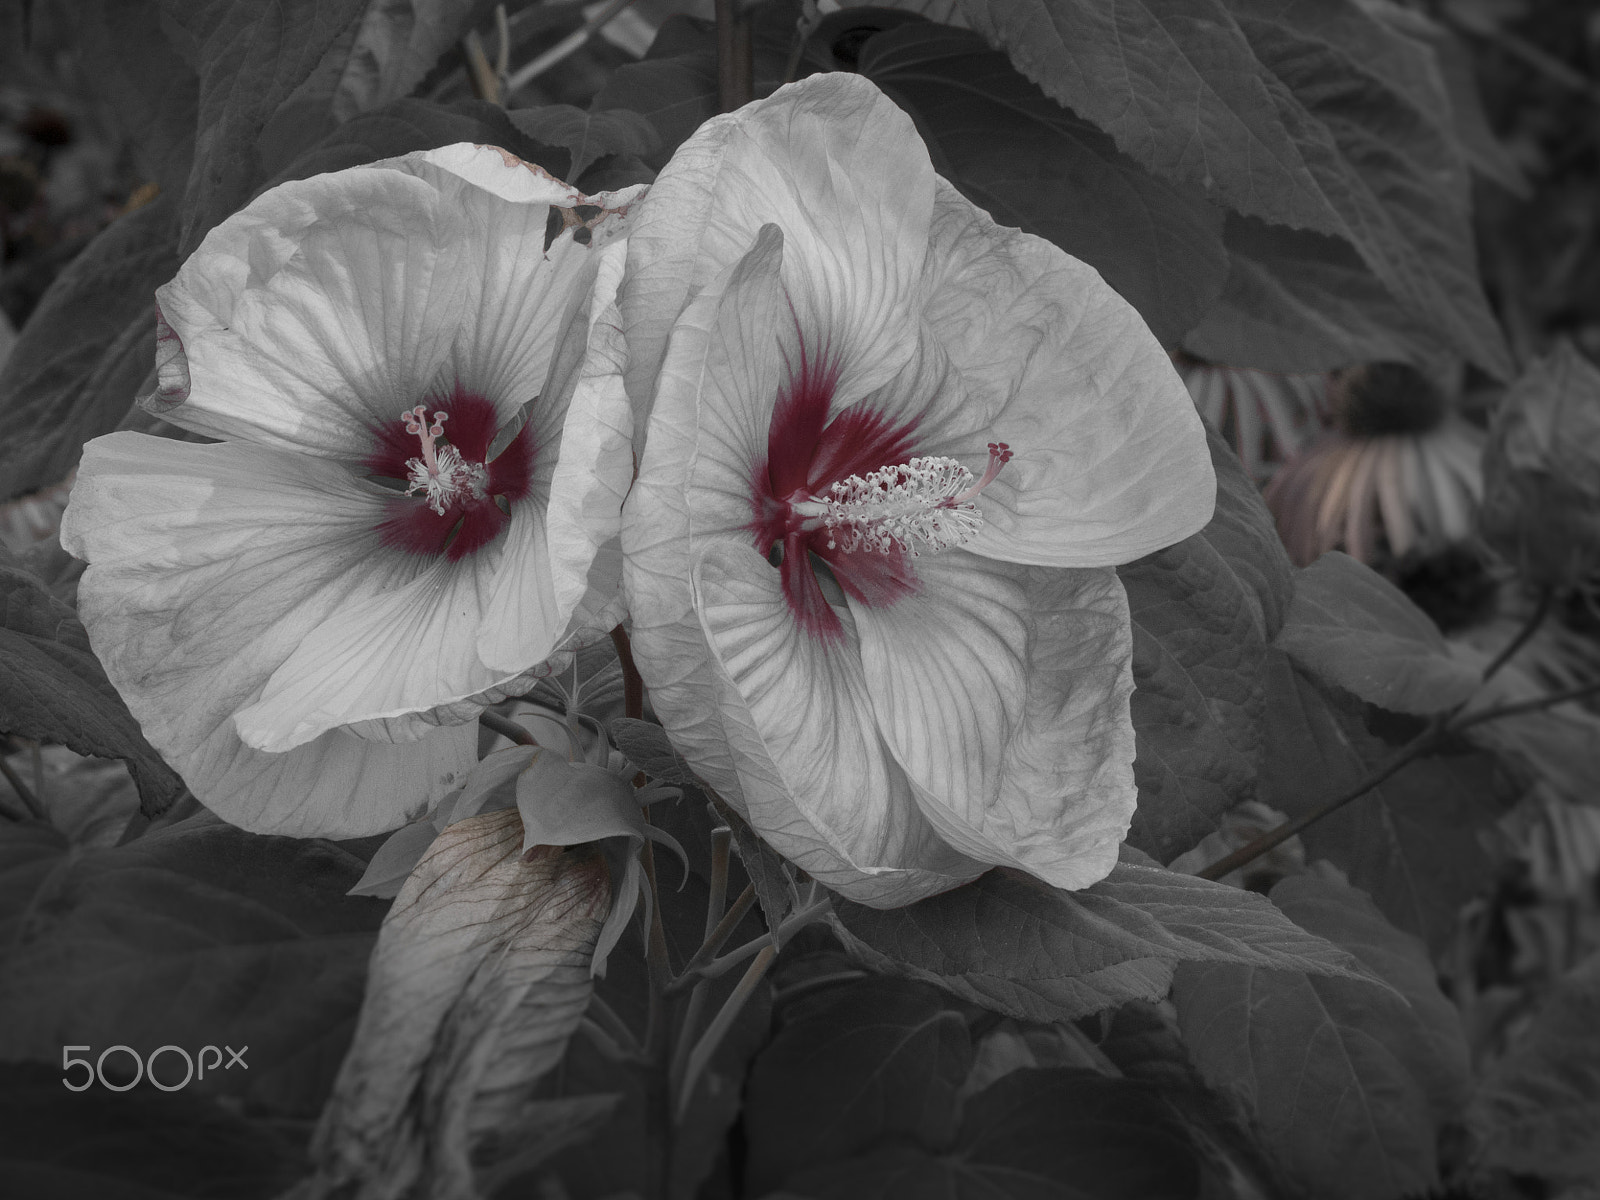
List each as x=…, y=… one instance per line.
x=23, y=791
x=700, y=1056
x=655, y=952
x=714, y=939
x=505, y=727
x=735, y=69
x=565, y=47
x=632, y=681
x=1442, y=727
x=1530, y=627
x=606, y=1018
x=1537, y=704
x=716, y=904
x=721, y=966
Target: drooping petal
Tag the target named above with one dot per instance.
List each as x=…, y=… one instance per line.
x=330, y=305
x=1054, y=795
x=841, y=170
x=208, y=566
x=816, y=779
x=1109, y=453
x=676, y=500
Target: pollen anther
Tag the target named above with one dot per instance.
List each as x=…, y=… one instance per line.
x=441, y=474
x=925, y=503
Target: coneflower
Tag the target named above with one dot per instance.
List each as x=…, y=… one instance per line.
x=1265, y=415
x=1398, y=472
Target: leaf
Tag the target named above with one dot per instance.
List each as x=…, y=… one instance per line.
x=588, y=135
x=1039, y=954
x=1538, y=1107
x=144, y=87
x=480, y=976
x=675, y=94
x=646, y=745
x=250, y=58
x=851, y=1067
x=141, y=1145
x=52, y=687
x=1028, y=162
x=1541, y=503
x=1350, y=627
x=1304, y=115
x=393, y=46
x=1035, y=1133
x=1418, y=843
x=197, y=934
x=81, y=357
x=1203, y=611
x=1347, y=1082
x=407, y=125
x=1302, y=302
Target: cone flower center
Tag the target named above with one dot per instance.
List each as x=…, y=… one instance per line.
x=456, y=497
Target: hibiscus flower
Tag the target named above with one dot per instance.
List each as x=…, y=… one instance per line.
x=893, y=453
x=414, y=501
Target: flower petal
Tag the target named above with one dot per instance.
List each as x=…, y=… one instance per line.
x=1004, y=695
x=208, y=565
x=816, y=779
x=329, y=305
x=1110, y=455
x=840, y=169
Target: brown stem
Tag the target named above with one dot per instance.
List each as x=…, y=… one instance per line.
x=735, y=56
x=1530, y=627
x=23, y=791
x=1442, y=727
x=505, y=727
x=632, y=681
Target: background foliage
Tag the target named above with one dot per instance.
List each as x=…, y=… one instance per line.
x=1400, y=1001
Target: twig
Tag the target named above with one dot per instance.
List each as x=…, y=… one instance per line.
x=566, y=47
x=506, y=727
x=24, y=792
x=714, y=939
x=1441, y=727
x=721, y=966
x=1530, y=627
x=735, y=56
x=700, y=1056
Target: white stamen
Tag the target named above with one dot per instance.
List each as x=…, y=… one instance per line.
x=441, y=473
x=923, y=503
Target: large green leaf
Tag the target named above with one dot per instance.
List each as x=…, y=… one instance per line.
x=1312, y=114
x=250, y=58
x=1020, y=947
x=1302, y=302
x=1035, y=1133
x=197, y=934
x=851, y=1067
x=1350, y=627
x=139, y=1145
x=1019, y=155
x=52, y=687
x=1348, y=1083
x=86, y=349
x=588, y=136
x=1420, y=843
x=1539, y=1106
x=1203, y=612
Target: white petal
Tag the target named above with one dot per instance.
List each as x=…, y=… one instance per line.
x=1110, y=455
x=208, y=565
x=1006, y=701
x=816, y=779
x=330, y=305
x=840, y=169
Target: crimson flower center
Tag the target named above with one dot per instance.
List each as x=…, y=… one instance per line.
x=457, y=498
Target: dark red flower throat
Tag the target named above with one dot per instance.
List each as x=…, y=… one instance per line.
x=440, y=449
x=806, y=454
